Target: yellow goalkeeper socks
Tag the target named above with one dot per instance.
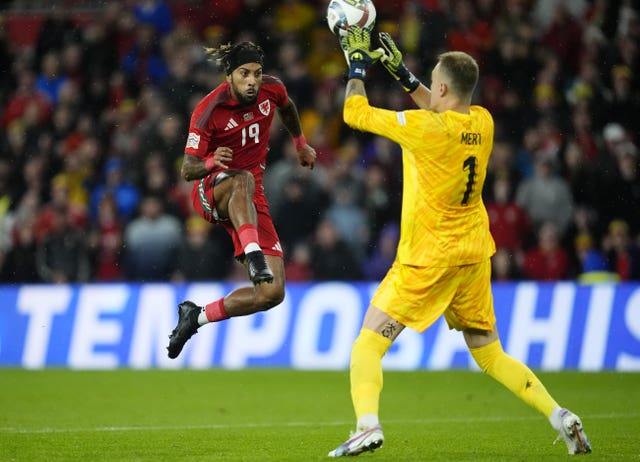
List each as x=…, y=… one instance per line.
x=515, y=376
x=366, y=372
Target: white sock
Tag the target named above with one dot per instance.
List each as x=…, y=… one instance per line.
x=251, y=247
x=555, y=419
x=202, y=317
x=367, y=421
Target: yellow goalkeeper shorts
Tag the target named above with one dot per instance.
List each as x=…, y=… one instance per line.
x=417, y=296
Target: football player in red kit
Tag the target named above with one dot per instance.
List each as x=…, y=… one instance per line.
x=225, y=157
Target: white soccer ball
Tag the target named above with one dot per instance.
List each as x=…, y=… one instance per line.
x=342, y=14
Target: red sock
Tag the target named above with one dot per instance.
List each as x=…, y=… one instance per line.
x=215, y=311
x=248, y=234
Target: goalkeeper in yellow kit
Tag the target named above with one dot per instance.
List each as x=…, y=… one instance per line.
x=443, y=264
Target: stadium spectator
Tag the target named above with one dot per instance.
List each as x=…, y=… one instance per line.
x=295, y=75
x=582, y=132
x=6, y=216
x=509, y=223
x=580, y=174
x=381, y=257
x=502, y=164
x=625, y=191
x=622, y=253
x=156, y=13
x=619, y=179
x=205, y=253
x=144, y=61
x=622, y=104
x=294, y=17
x=331, y=257
x=51, y=79
x=350, y=220
x=504, y=266
x=285, y=170
x=60, y=204
x=62, y=255
x=563, y=35
x=125, y=195
x=151, y=230
x=469, y=32
x=20, y=262
x=593, y=266
x=297, y=265
x=546, y=197
x=297, y=213
x=380, y=204
x=547, y=260
x=105, y=241
x=25, y=98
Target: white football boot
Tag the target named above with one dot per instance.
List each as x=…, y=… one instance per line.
x=359, y=442
x=572, y=433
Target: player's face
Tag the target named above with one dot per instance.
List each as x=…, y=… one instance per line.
x=245, y=82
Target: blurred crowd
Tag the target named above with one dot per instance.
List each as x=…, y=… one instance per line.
x=94, y=116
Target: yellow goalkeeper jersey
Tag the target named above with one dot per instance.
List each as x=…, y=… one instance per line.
x=444, y=159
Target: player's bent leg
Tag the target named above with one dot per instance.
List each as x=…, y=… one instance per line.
x=513, y=374
x=233, y=195
x=248, y=300
x=258, y=268
x=270, y=295
x=518, y=378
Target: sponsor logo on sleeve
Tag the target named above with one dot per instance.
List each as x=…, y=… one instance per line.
x=193, y=141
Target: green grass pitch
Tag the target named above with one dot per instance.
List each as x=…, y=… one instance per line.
x=285, y=415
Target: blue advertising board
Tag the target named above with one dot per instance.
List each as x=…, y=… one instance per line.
x=550, y=326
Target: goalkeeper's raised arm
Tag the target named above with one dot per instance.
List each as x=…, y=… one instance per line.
x=392, y=61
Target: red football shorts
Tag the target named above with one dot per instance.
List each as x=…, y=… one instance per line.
x=203, y=203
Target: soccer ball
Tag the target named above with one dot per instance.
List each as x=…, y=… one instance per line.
x=342, y=14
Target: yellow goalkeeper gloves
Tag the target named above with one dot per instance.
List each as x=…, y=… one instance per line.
x=356, y=44
x=391, y=59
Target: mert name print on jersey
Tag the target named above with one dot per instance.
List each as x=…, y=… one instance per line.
x=471, y=138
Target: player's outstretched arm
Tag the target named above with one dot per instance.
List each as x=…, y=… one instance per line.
x=393, y=63
x=291, y=121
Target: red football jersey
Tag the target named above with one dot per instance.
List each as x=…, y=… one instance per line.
x=219, y=120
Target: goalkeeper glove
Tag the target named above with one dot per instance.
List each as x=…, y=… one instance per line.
x=391, y=59
x=355, y=45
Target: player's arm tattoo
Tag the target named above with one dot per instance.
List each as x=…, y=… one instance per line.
x=290, y=118
x=193, y=168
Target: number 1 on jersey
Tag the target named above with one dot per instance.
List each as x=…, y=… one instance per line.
x=469, y=164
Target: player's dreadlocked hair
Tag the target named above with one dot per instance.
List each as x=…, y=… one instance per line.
x=229, y=57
